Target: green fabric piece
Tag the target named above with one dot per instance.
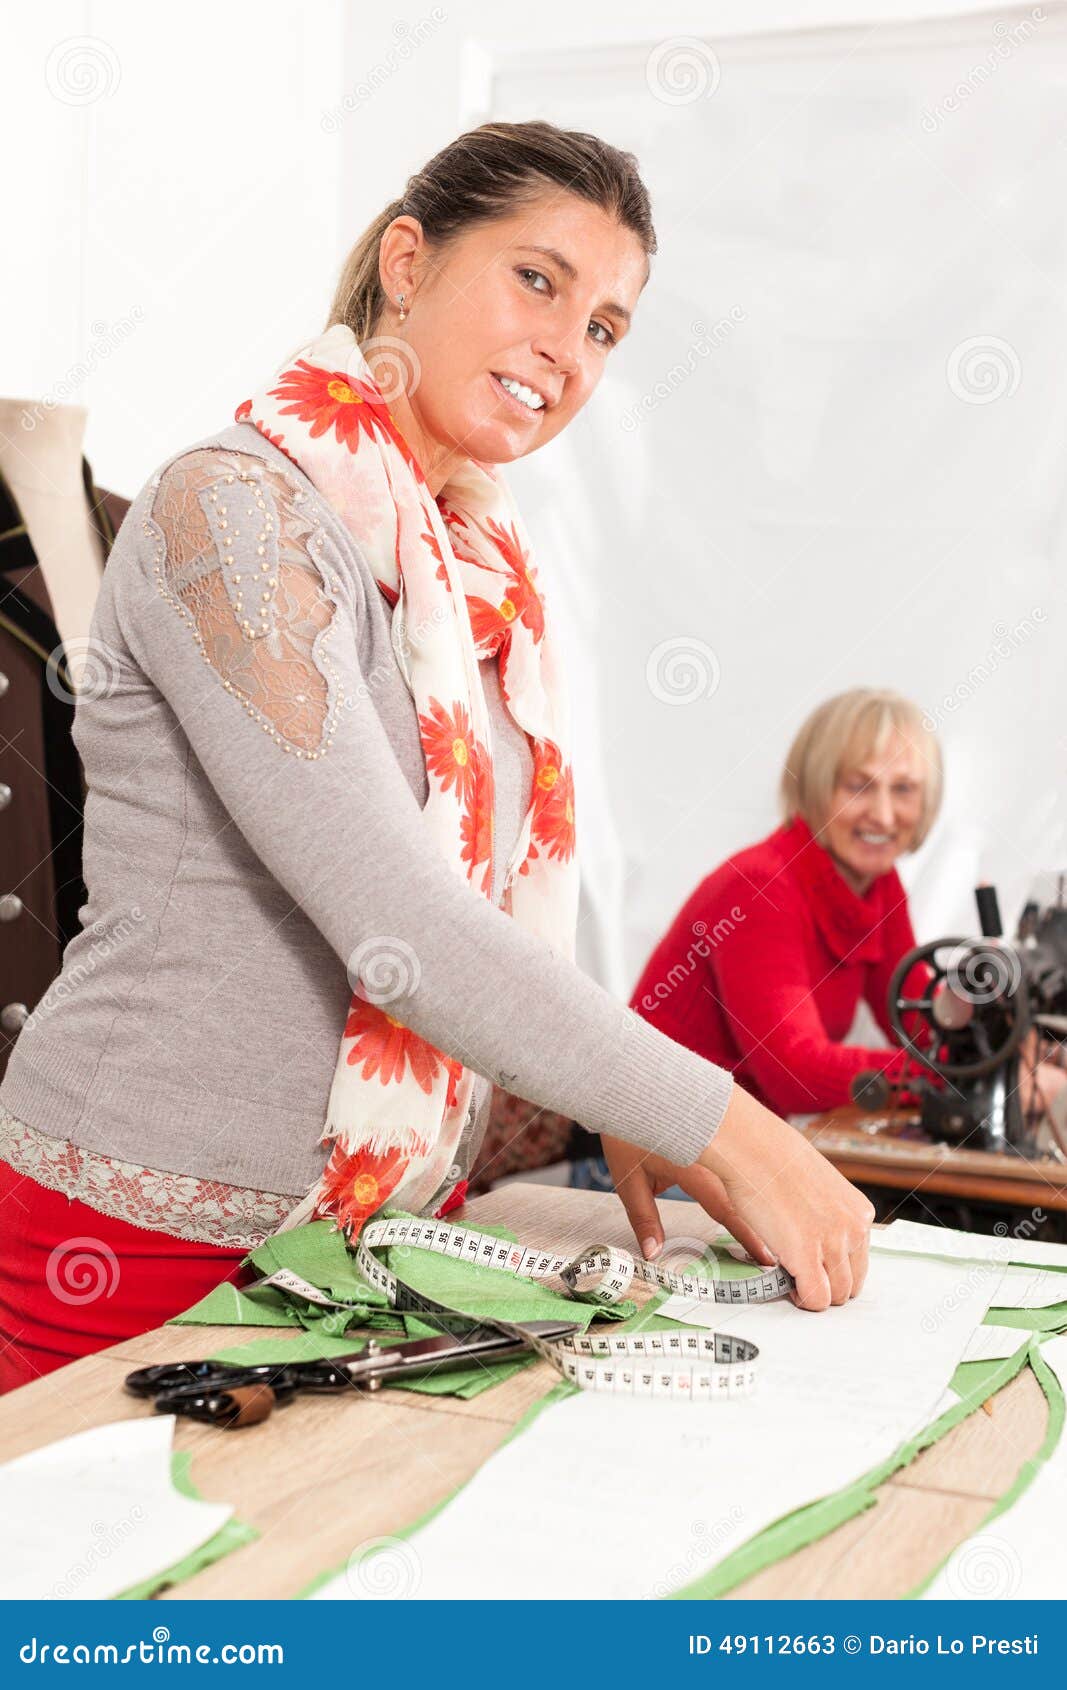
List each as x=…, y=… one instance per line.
x=486, y=1293
x=304, y=1346
x=974, y=1381
x=1052, y=1319
x=1057, y=1410
x=232, y=1535
x=319, y=1254
x=464, y=1382
x=227, y=1306
x=980, y=1380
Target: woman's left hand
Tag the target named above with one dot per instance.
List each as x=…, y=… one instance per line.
x=640, y=1176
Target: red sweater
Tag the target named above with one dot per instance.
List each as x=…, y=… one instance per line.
x=764, y=966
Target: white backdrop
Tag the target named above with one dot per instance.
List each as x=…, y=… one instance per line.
x=832, y=451
x=829, y=453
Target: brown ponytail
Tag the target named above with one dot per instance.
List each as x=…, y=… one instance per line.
x=491, y=172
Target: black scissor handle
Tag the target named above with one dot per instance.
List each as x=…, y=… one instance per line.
x=174, y=1375
x=235, y=1405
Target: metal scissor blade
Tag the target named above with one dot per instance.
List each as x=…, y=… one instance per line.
x=485, y=1342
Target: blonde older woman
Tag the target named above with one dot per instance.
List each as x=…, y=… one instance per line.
x=766, y=963
x=329, y=774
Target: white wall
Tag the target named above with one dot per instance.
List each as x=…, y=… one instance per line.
x=832, y=453
x=813, y=501
x=175, y=205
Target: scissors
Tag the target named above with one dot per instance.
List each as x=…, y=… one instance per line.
x=228, y=1395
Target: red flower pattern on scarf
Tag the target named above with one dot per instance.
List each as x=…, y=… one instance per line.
x=515, y=595
x=476, y=823
x=327, y=412
x=388, y=1049
x=355, y=1185
x=330, y=399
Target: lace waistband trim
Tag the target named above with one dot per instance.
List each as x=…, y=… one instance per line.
x=181, y=1205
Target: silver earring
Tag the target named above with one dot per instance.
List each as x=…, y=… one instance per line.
x=400, y=302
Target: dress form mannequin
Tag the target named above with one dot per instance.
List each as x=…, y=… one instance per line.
x=56, y=530
x=41, y=461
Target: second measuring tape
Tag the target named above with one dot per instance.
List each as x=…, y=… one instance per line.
x=684, y=1365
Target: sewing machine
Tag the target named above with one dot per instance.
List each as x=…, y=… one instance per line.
x=987, y=1006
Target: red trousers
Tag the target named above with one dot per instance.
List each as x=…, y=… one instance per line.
x=73, y=1281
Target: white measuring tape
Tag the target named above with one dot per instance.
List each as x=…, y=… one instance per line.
x=690, y=1366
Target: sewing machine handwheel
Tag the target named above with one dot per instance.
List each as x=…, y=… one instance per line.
x=950, y=1006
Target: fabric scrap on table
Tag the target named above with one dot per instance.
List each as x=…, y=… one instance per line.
x=317, y=1253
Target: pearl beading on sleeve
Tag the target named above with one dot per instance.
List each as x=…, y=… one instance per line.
x=235, y=557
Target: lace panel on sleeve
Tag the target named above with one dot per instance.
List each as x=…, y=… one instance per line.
x=236, y=558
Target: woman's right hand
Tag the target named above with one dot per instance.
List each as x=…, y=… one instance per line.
x=816, y=1223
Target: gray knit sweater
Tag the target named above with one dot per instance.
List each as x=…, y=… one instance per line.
x=253, y=816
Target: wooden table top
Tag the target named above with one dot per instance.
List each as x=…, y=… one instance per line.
x=323, y=1475
x=867, y=1148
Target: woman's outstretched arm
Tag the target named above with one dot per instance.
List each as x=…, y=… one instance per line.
x=265, y=683
x=285, y=726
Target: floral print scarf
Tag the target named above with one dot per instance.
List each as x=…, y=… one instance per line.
x=457, y=571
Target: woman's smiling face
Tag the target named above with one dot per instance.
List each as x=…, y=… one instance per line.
x=875, y=810
x=538, y=298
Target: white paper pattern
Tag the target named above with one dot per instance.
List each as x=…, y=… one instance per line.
x=1031, y=1288
x=92, y=1514
x=995, y=1343
x=618, y=1498
x=914, y=1238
